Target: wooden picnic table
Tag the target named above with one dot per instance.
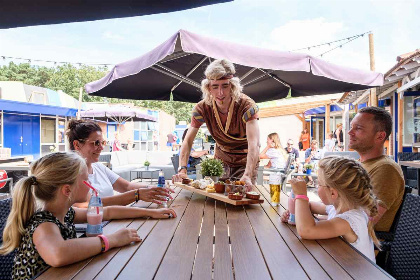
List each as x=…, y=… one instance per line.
x=213, y=240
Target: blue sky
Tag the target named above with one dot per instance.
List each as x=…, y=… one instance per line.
x=274, y=24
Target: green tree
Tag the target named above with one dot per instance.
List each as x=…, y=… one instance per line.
x=70, y=79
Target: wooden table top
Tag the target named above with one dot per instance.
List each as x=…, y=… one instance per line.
x=213, y=240
x=414, y=163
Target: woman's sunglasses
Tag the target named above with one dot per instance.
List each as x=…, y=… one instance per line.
x=97, y=143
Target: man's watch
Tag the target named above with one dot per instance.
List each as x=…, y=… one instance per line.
x=182, y=167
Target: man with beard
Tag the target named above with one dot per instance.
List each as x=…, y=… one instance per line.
x=369, y=130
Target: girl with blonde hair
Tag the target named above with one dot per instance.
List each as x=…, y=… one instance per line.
x=347, y=198
x=41, y=221
x=275, y=152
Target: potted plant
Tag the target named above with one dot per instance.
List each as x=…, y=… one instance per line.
x=146, y=164
x=213, y=168
x=309, y=167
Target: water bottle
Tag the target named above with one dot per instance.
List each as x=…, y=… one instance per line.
x=94, y=216
x=161, y=184
x=291, y=206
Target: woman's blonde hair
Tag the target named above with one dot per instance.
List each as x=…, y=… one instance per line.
x=352, y=183
x=30, y=193
x=277, y=144
x=216, y=70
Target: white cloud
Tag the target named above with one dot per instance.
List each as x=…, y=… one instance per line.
x=112, y=36
x=302, y=33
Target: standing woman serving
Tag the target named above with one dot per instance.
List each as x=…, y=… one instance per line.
x=86, y=138
x=304, y=138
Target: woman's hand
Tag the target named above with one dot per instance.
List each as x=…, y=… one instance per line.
x=298, y=186
x=285, y=216
x=155, y=194
x=123, y=237
x=162, y=213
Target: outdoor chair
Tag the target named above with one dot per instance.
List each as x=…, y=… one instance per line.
x=175, y=163
x=6, y=262
x=404, y=258
x=388, y=236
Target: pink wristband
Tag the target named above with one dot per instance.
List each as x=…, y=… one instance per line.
x=302, y=196
x=106, y=242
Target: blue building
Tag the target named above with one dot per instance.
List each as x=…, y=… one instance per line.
x=33, y=119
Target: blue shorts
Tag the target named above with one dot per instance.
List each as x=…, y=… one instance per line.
x=169, y=144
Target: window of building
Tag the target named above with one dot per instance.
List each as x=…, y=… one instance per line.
x=143, y=136
x=48, y=135
x=411, y=120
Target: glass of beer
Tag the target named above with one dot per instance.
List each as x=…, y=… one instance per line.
x=275, y=182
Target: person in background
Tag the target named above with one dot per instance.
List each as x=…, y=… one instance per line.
x=292, y=150
x=44, y=233
x=116, y=145
x=338, y=135
x=86, y=138
x=329, y=143
x=368, y=132
x=275, y=152
x=305, y=139
x=129, y=144
x=347, y=198
x=312, y=155
x=171, y=141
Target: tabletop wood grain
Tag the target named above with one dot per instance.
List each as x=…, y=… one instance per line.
x=210, y=239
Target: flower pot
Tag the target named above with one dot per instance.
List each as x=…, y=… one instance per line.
x=308, y=171
x=146, y=167
x=214, y=178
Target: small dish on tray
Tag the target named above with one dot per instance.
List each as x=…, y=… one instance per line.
x=235, y=196
x=253, y=195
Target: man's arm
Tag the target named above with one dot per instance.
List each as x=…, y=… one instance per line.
x=253, y=137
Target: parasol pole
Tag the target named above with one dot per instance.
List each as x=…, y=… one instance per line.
x=372, y=98
x=80, y=103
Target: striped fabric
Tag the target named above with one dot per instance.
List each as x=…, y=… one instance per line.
x=198, y=116
x=249, y=113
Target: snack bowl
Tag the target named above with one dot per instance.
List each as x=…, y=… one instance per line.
x=238, y=189
x=253, y=195
x=219, y=187
x=186, y=181
x=235, y=196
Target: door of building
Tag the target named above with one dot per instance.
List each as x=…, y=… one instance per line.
x=317, y=129
x=22, y=134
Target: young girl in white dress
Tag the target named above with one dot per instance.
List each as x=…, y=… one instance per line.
x=347, y=198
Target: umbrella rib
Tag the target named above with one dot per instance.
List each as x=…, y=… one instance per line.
x=189, y=73
x=176, y=74
x=275, y=78
x=173, y=76
x=247, y=74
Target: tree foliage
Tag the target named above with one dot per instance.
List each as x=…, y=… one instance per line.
x=70, y=79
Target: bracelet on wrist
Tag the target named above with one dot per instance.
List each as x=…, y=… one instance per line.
x=104, y=243
x=137, y=195
x=302, y=196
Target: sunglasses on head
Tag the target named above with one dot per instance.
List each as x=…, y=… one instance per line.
x=97, y=143
x=290, y=144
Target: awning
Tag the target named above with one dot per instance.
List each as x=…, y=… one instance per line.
x=321, y=110
x=32, y=108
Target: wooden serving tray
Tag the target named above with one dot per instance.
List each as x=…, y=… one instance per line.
x=220, y=196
